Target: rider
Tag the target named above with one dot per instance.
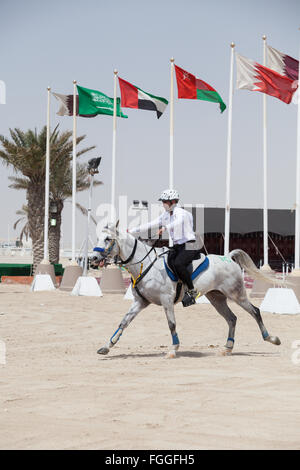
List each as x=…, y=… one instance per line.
x=179, y=223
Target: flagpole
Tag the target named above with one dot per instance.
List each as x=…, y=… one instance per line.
x=265, y=208
x=47, y=173
x=112, y=279
x=113, y=173
x=74, y=171
x=171, y=161
x=297, y=209
x=228, y=164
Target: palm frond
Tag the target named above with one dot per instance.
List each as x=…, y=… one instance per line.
x=84, y=211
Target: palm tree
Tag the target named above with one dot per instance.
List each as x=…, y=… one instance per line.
x=26, y=153
x=54, y=232
x=60, y=191
x=24, y=218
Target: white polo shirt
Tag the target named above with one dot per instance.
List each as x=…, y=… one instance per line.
x=178, y=222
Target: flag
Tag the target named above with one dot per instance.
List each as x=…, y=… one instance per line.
x=190, y=87
x=282, y=63
x=66, y=106
x=92, y=102
x=134, y=97
x=255, y=77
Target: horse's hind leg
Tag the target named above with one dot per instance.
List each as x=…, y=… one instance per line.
x=218, y=300
x=255, y=313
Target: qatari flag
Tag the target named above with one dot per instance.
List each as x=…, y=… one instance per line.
x=282, y=63
x=66, y=105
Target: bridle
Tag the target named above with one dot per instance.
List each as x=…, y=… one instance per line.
x=126, y=263
x=106, y=251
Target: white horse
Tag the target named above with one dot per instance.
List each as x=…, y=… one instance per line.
x=221, y=280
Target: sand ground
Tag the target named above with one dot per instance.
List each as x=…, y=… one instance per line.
x=57, y=393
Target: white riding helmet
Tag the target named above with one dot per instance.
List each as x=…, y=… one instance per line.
x=169, y=195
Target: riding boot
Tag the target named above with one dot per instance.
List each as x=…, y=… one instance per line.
x=189, y=298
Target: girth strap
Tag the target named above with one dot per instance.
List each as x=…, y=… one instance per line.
x=143, y=274
x=141, y=295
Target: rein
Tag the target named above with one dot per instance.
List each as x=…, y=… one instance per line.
x=142, y=274
x=133, y=252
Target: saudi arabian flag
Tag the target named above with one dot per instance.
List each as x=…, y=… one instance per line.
x=95, y=102
x=190, y=87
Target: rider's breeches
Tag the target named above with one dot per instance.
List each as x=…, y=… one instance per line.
x=179, y=259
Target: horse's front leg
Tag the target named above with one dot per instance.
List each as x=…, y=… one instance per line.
x=169, y=311
x=135, y=308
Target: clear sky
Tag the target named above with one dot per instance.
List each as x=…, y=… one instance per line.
x=51, y=43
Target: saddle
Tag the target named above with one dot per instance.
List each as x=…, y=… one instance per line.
x=202, y=265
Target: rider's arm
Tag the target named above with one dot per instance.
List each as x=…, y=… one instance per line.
x=145, y=227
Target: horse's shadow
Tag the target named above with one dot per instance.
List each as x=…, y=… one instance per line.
x=157, y=355
x=191, y=354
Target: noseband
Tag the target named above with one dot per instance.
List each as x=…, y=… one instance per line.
x=106, y=251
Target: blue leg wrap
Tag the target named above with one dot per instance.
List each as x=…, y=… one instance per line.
x=116, y=336
x=265, y=334
x=232, y=340
x=175, y=339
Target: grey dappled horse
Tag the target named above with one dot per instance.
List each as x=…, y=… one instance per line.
x=222, y=280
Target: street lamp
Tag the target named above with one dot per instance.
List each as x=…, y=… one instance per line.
x=93, y=165
x=143, y=205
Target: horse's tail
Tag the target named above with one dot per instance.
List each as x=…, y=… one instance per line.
x=246, y=263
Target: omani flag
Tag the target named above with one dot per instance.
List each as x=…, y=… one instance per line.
x=191, y=87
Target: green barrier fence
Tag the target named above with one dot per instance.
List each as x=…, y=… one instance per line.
x=24, y=270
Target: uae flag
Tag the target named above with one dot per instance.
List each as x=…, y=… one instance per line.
x=255, y=77
x=282, y=63
x=66, y=106
x=134, y=97
x=190, y=87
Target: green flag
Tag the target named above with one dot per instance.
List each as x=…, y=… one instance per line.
x=95, y=102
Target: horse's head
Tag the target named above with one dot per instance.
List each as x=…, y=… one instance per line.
x=107, y=247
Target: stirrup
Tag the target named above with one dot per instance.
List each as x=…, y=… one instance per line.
x=188, y=299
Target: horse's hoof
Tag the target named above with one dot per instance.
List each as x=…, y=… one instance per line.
x=274, y=340
x=171, y=355
x=103, y=350
x=226, y=352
